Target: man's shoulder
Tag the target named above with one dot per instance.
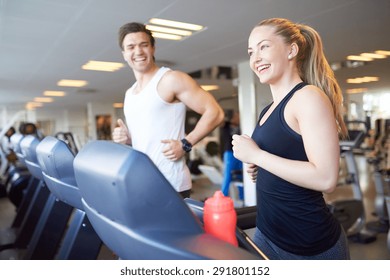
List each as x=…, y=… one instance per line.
x=173, y=72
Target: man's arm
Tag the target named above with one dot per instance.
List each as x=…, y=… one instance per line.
x=179, y=86
x=200, y=101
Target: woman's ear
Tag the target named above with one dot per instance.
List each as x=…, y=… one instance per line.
x=293, y=51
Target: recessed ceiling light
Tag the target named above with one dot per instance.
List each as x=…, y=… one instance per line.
x=54, y=93
x=72, y=83
x=167, y=36
x=359, y=58
x=360, y=80
x=102, y=66
x=44, y=99
x=117, y=105
x=33, y=105
x=172, y=30
x=180, y=32
x=177, y=24
x=373, y=55
x=383, y=52
x=356, y=90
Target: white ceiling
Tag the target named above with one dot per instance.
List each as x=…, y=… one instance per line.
x=43, y=41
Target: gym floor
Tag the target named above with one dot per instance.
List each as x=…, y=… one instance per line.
x=203, y=188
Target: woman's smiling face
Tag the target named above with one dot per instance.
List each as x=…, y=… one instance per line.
x=268, y=54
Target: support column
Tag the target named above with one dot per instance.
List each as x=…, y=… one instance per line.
x=247, y=107
x=252, y=98
x=91, y=122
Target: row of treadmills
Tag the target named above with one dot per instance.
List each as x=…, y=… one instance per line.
x=110, y=194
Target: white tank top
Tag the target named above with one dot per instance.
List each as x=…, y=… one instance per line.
x=150, y=119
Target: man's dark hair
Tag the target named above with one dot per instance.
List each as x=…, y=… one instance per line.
x=133, y=27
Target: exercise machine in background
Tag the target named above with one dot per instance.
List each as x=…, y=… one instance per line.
x=351, y=212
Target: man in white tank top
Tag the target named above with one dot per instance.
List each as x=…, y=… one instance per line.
x=155, y=108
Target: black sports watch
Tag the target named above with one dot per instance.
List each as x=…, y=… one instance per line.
x=187, y=146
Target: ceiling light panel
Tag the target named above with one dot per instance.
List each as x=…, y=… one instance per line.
x=33, y=105
x=43, y=99
x=373, y=55
x=356, y=90
x=72, y=83
x=117, y=105
x=383, y=52
x=167, y=36
x=172, y=30
x=102, y=66
x=360, y=80
x=359, y=58
x=53, y=93
x=176, y=24
x=161, y=29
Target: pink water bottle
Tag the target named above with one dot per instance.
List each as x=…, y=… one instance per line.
x=220, y=218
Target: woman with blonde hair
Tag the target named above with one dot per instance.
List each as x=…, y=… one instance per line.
x=293, y=154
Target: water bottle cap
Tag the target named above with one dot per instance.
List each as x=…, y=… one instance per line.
x=219, y=203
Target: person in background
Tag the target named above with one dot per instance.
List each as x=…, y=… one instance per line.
x=155, y=109
x=6, y=146
x=231, y=165
x=293, y=154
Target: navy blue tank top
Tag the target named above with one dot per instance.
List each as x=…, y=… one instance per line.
x=296, y=219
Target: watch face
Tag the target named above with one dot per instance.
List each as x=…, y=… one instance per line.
x=186, y=145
